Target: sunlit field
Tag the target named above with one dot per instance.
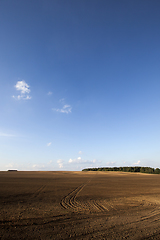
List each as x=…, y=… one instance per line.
x=79, y=205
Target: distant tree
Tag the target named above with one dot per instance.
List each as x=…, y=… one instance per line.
x=126, y=169
x=157, y=171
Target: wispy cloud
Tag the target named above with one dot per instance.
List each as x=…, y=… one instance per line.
x=9, y=165
x=38, y=167
x=62, y=100
x=137, y=163
x=49, y=144
x=24, y=89
x=50, y=162
x=22, y=97
x=65, y=109
x=6, y=135
x=49, y=93
x=60, y=163
x=110, y=163
x=80, y=152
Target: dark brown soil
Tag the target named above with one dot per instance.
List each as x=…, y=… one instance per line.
x=79, y=205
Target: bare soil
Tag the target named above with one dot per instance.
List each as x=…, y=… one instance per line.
x=79, y=205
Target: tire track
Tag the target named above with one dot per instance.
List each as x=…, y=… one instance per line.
x=98, y=206
x=152, y=215
x=69, y=201
x=38, y=191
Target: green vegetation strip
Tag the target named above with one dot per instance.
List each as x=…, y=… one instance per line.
x=126, y=169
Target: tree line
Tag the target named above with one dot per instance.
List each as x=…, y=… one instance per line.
x=126, y=169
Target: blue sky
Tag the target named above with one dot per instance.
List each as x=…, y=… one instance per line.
x=79, y=84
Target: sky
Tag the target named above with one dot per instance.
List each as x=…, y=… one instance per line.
x=79, y=84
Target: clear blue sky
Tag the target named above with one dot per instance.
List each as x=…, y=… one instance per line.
x=79, y=84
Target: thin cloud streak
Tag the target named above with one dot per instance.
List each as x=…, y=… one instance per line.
x=6, y=135
x=49, y=93
x=66, y=109
x=49, y=144
x=111, y=164
x=81, y=161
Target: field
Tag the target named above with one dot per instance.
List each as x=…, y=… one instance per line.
x=79, y=205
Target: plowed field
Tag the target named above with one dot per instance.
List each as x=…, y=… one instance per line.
x=79, y=205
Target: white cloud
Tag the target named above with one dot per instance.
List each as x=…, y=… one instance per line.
x=10, y=165
x=111, y=163
x=60, y=163
x=27, y=97
x=137, y=162
x=38, y=167
x=70, y=160
x=81, y=161
x=6, y=135
x=80, y=152
x=24, y=89
x=61, y=100
x=22, y=86
x=66, y=109
x=22, y=97
x=49, y=93
x=49, y=144
x=50, y=162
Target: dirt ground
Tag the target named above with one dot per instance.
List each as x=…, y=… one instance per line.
x=79, y=205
